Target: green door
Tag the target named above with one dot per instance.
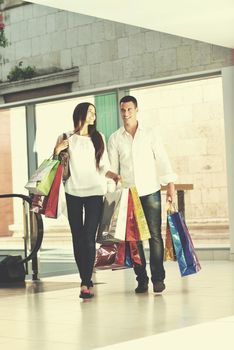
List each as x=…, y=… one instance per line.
x=107, y=113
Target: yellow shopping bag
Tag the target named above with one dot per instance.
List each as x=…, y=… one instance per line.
x=140, y=216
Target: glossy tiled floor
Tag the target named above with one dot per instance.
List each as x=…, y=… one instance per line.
x=197, y=309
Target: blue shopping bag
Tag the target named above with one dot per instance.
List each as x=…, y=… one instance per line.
x=128, y=259
x=183, y=245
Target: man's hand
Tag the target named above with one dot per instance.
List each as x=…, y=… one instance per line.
x=170, y=195
x=113, y=176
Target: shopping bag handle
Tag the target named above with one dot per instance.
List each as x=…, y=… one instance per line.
x=170, y=207
x=119, y=185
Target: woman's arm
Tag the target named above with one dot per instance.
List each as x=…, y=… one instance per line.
x=60, y=145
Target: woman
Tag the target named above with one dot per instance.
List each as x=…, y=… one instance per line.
x=89, y=167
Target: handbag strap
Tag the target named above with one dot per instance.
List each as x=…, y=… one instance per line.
x=65, y=137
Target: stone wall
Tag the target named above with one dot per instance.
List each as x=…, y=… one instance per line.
x=12, y=3
x=106, y=52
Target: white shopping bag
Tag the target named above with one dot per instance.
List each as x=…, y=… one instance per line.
x=112, y=227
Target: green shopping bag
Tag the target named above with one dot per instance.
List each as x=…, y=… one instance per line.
x=41, y=181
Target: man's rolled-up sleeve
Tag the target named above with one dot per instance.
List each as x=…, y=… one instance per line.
x=163, y=164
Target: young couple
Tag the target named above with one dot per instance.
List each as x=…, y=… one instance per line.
x=137, y=157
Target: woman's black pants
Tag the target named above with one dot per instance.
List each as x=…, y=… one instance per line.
x=84, y=215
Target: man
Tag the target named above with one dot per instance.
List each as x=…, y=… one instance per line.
x=137, y=153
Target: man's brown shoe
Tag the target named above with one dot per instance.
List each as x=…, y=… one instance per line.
x=159, y=287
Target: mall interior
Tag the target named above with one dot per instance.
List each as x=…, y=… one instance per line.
x=178, y=61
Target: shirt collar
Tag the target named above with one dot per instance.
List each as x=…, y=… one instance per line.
x=122, y=129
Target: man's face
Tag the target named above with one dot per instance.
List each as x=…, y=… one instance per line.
x=128, y=111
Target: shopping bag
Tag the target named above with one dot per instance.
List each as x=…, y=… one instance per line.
x=105, y=255
x=114, y=256
x=183, y=245
x=38, y=203
x=132, y=232
x=134, y=252
x=130, y=256
x=41, y=181
x=114, y=216
x=118, y=225
x=120, y=255
x=53, y=197
x=128, y=260
x=62, y=203
x=122, y=217
x=64, y=157
x=169, y=251
x=140, y=216
x=110, y=256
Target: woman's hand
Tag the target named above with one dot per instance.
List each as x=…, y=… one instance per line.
x=115, y=177
x=60, y=147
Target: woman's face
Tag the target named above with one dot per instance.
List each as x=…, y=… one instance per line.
x=90, y=116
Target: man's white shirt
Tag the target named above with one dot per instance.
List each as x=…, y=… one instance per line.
x=141, y=161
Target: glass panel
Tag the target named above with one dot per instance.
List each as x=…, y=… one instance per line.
x=13, y=176
x=191, y=121
x=52, y=119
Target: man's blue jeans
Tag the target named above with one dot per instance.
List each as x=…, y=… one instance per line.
x=152, y=208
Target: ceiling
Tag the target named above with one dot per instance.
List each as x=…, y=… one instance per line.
x=210, y=21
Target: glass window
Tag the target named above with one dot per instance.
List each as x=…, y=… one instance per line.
x=13, y=176
x=191, y=122
x=52, y=119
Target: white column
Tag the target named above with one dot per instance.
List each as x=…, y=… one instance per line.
x=228, y=103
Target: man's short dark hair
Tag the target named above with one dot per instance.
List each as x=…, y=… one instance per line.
x=129, y=98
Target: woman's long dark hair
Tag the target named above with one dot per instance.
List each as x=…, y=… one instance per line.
x=79, y=117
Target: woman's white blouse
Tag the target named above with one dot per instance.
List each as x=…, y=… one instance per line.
x=86, y=179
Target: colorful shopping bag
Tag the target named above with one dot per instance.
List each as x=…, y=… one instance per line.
x=132, y=232
x=134, y=252
x=110, y=256
x=120, y=255
x=116, y=256
x=114, y=216
x=105, y=255
x=183, y=245
x=129, y=256
x=38, y=203
x=169, y=251
x=122, y=218
x=128, y=259
x=41, y=181
x=51, y=206
x=140, y=216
